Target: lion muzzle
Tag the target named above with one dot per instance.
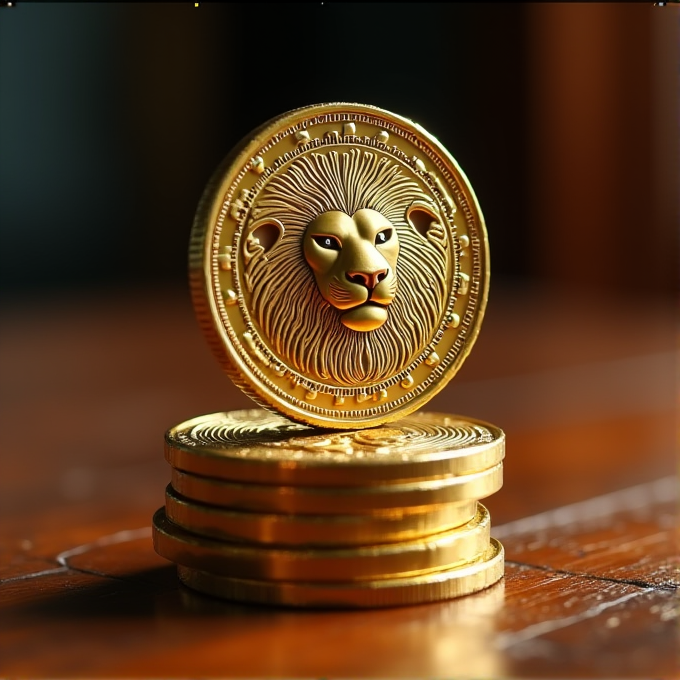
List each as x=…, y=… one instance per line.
x=371, y=314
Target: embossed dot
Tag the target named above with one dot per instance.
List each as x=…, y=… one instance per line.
x=257, y=165
x=453, y=320
x=301, y=136
x=433, y=359
x=407, y=382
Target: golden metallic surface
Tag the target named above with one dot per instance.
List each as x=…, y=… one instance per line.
x=257, y=446
x=407, y=558
x=339, y=265
x=337, y=501
x=310, y=531
x=388, y=592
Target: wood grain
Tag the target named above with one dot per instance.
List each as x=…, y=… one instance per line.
x=113, y=607
x=588, y=513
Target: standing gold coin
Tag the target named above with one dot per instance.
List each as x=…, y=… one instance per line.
x=337, y=501
x=389, y=592
x=339, y=265
x=441, y=551
x=256, y=446
x=387, y=526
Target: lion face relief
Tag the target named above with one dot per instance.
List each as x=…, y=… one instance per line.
x=354, y=260
x=346, y=262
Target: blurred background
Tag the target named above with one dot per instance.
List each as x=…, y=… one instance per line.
x=114, y=115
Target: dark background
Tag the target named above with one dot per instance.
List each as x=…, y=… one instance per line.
x=113, y=117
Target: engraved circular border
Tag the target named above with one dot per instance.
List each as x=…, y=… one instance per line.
x=307, y=383
x=207, y=295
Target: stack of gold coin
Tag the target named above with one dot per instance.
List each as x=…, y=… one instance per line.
x=339, y=270
x=262, y=510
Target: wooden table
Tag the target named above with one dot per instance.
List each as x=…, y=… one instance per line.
x=584, y=388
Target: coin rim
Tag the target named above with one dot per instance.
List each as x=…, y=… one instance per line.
x=212, y=461
x=305, y=500
x=314, y=531
x=458, y=546
x=201, y=273
x=389, y=592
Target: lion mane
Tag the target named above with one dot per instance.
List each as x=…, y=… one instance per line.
x=294, y=319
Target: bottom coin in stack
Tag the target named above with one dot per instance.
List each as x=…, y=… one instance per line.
x=439, y=551
x=456, y=581
x=386, y=526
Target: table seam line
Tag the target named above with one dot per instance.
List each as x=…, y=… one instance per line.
x=610, y=579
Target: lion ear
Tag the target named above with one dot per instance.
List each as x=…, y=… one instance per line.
x=261, y=236
x=425, y=219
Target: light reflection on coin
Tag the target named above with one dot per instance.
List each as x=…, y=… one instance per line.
x=340, y=500
x=406, y=558
x=260, y=447
x=339, y=270
x=387, y=592
x=339, y=265
x=388, y=526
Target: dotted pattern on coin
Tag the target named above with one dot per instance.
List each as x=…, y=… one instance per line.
x=339, y=266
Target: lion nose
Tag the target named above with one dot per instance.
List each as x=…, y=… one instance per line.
x=368, y=279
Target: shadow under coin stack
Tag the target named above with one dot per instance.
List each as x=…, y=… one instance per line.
x=264, y=511
x=339, y=270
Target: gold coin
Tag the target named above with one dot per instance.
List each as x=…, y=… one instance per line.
x=388, y=592
x=337, y=501
x=440, y=551
x=316, y=530
x=260, y=447
x=339, y=265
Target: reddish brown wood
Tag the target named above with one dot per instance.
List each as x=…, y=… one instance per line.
x=137, y=620
x=590, y=589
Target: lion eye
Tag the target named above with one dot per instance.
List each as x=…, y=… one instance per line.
x=383, y=236
x=328, y=242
